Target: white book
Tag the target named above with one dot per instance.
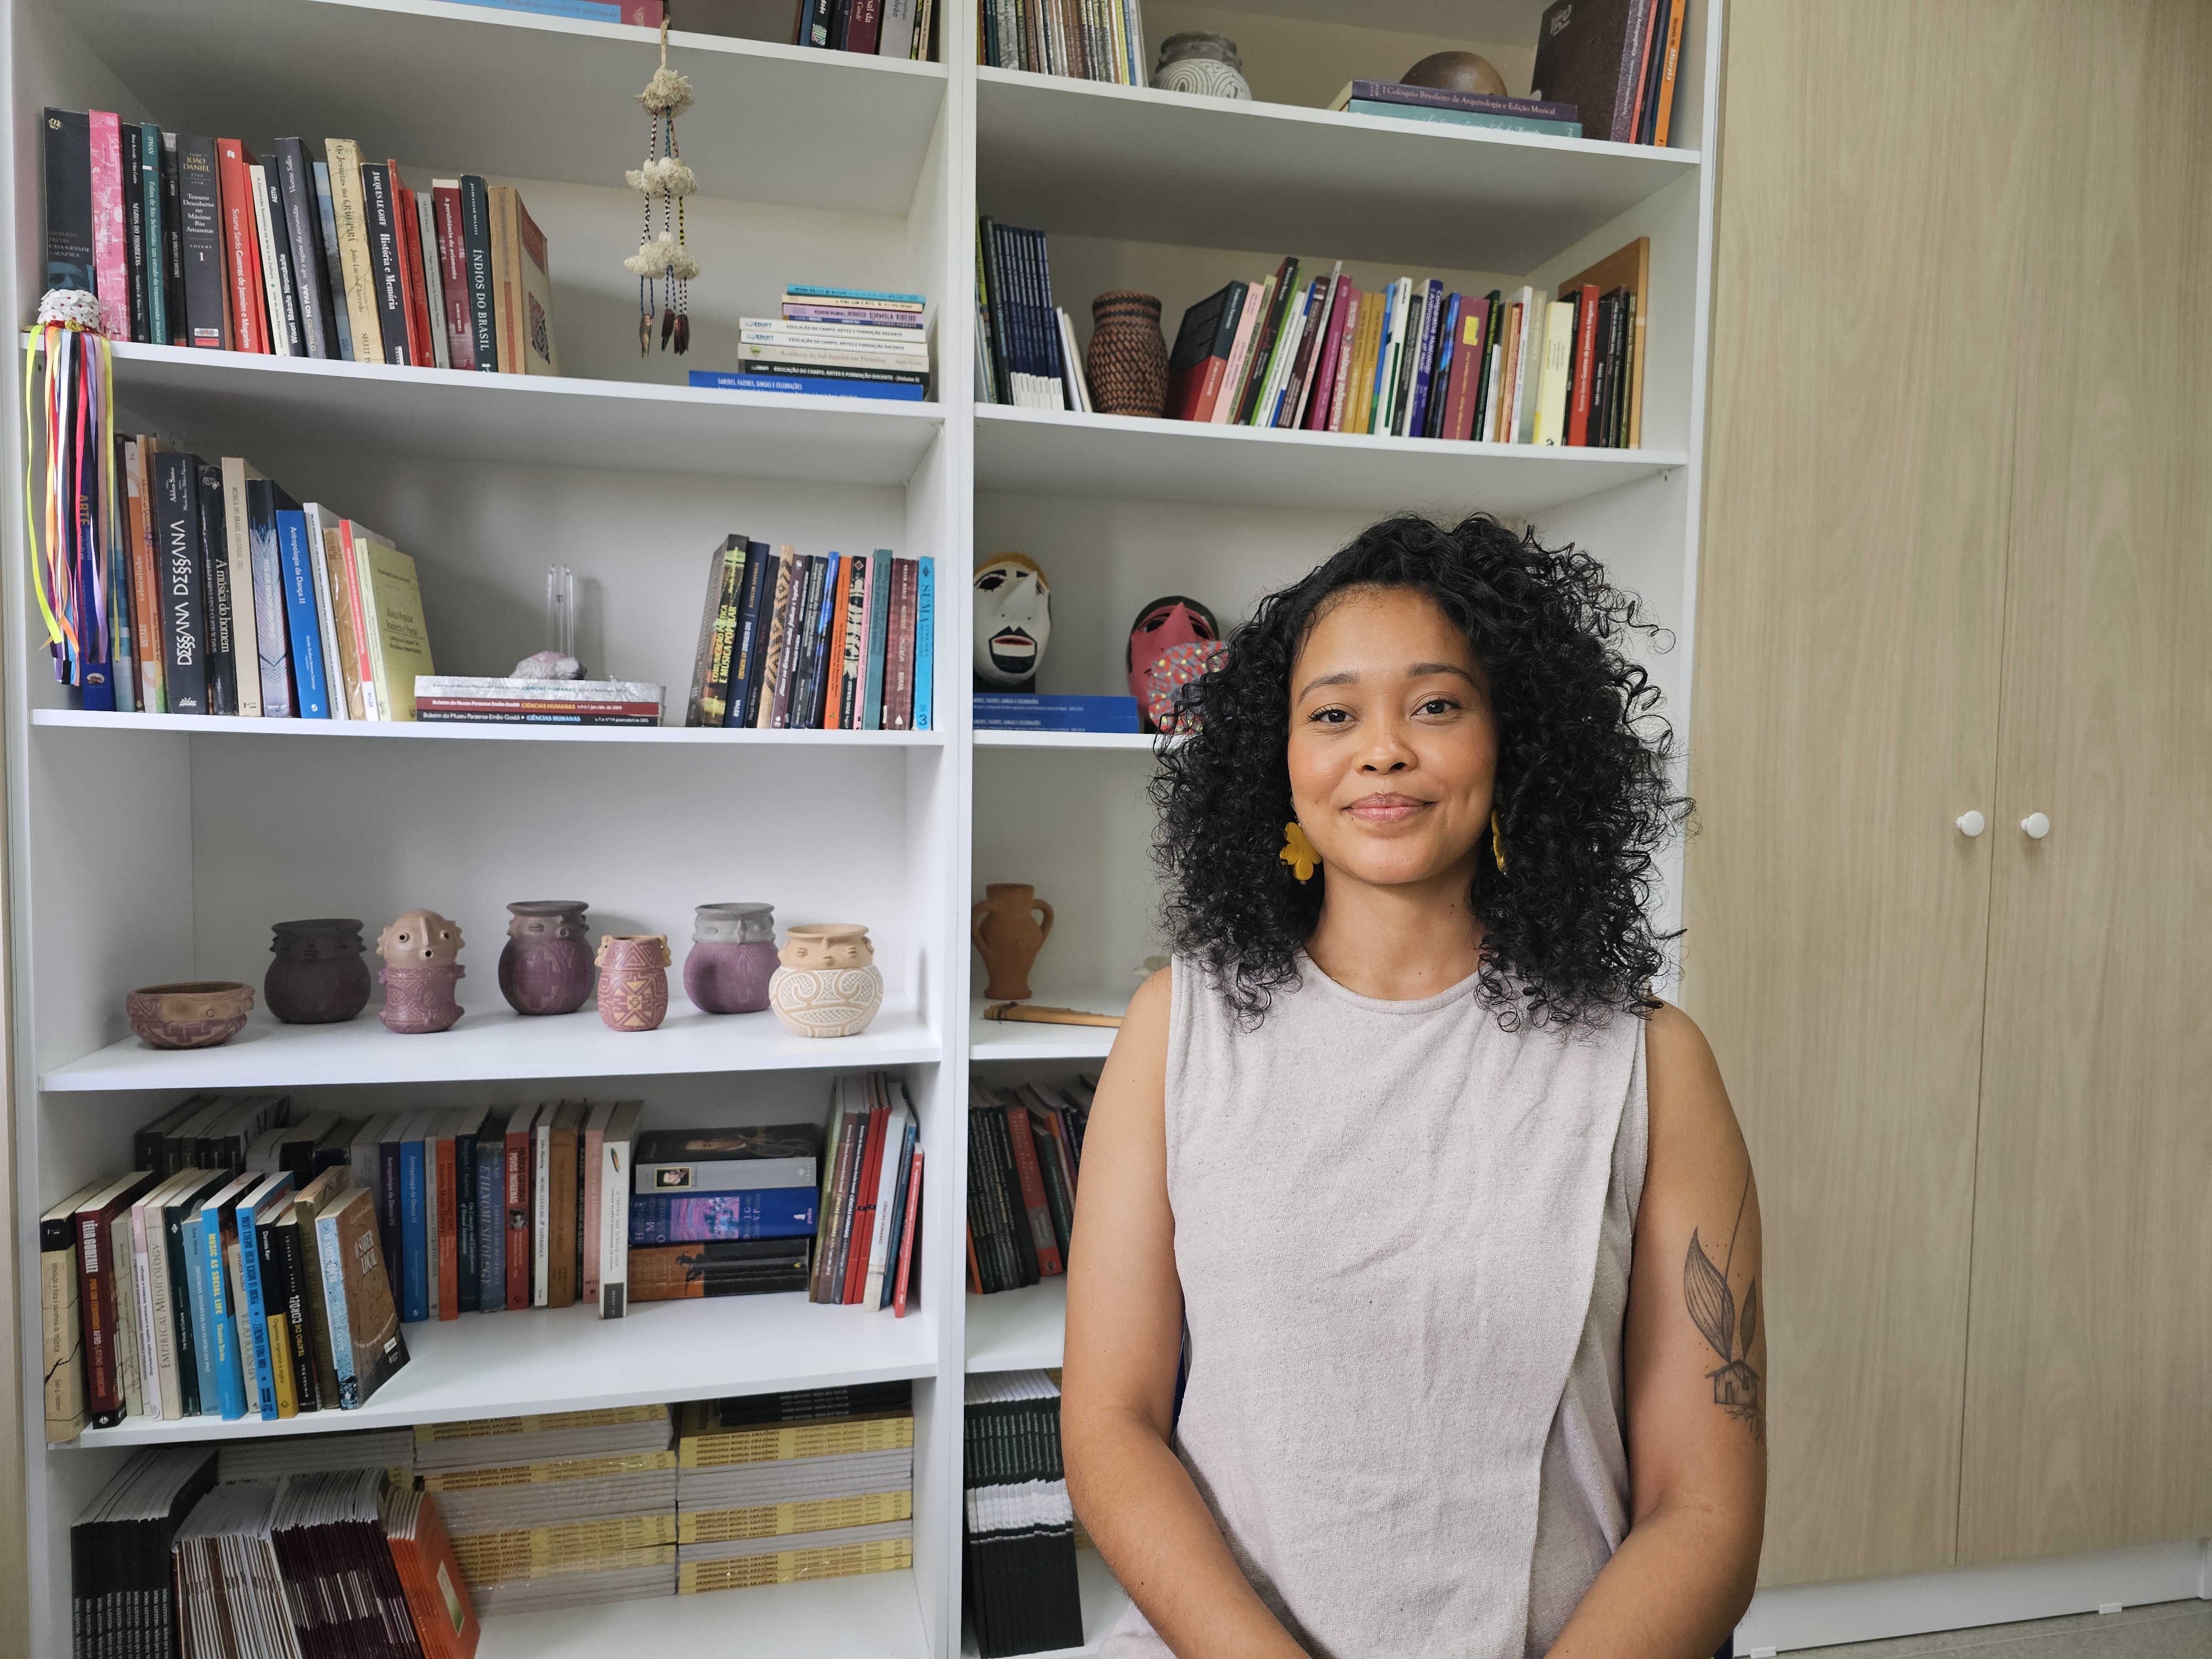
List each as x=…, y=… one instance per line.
x=365, y=1158
x=869, y=337
x=1558, y=355
x=541, y=1202
x=896, y=38
x=149, y=1256
x=818, y=355
x=1393, y=340
x=320, y=519
x=616, y=1142
x=1240, y=352
x=1526, y=371
x=1078, y=393
x=283, y=320
x=126, y=1314
x=880, y=1242
x=1490, y=397
x=238, y=555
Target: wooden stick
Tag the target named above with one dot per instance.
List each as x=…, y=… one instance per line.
x=1029, y=1014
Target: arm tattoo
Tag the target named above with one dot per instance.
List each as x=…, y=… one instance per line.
x=1736, y=1386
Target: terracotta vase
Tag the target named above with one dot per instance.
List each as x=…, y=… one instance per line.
x=733, y=957
x=1008, y=936
x=545, y=967
x=828, y=984
x=634, y=980
x=1127, y=363
x=198, y=1014
x=318, y=977
x=419, y=1001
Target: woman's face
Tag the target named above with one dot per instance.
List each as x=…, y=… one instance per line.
x=1393, y=747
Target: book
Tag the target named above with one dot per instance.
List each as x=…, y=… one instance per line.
x=523, y=287
x=491, y=1213
x=200, y=249
x=1204, y=341
x=183, y=633
x=1628, y=268
x=285, y=339
x=263, y=501
x=216, y=572
x=302, y=619
x=172, y=261
x=609, y=1224
x=909, y=1237
x=481, y=288
x=67, y=159
x=111, y=257
x=520, y=1171
x=694, y=1161
x=1667, y=81
x=299, y=191
x=792, y=380
x=1551, y=389
x=925, y=643
x=130, y=183
x=425, y=233
x=721, y=1266
x=415, y=300
x=453, y=283
x=1590, y=54
x=561, y=1184
x=997, y=711
x=61, y=1330
x=387, y=258
x=443, y=1222
x=256, y=1209
x=710, y=666
x=890, y=1188
x=323, y=1194
x=399, y=643
x=763, y=1212
x=230, y=1363
x=285, y=1258
x=1486, y=103
x=358, y=267
x=244, y=291
x=416, y=1236
x=1465, y=117
x=1583, y=374
x=468, y=1126
x=367, y=1346
x=638, y=14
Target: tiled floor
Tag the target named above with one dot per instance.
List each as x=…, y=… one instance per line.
x=2166, y=1629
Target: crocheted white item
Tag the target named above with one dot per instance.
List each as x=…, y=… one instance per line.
x=667, y=93
x=666, y=176
x=72, y=307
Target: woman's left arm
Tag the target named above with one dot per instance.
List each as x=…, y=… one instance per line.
x=1695, y=1349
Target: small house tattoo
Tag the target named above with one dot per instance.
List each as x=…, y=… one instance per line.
x=1713, y=1310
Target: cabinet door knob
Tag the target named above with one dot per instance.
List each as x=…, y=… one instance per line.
x=1971, y=824
x=2035, y=826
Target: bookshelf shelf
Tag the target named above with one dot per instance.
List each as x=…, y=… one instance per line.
x=1019, y=1330
x=1119, y=458
x=492, y=1042
x=877, y=1615
x=465, y=84
x=991, y=1039
x=255, y=403
x=78, y=719
x=546, y=1359
x=1086, y=159
x=1104, y=1601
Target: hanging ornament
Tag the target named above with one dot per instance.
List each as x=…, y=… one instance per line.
x=664, y=267
x=76, y=539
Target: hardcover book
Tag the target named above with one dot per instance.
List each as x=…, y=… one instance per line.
x=727, y=1160
x=199, y=214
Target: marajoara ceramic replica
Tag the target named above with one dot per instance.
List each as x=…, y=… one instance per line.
x=828, y=984
x=1013, y=622
x=422, y=965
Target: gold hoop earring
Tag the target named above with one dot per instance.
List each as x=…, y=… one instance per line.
x=1497, y=842
x=1299, y=852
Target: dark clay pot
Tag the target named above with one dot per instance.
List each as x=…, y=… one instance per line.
x=318, y=977
x=546, y=966
x=732, y=959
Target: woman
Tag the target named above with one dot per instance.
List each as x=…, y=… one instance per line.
x=1455, y=1212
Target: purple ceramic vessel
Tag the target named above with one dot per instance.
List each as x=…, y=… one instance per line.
x=420, y=1000
x=733, y=957
x=318, y=977
x=546, y=966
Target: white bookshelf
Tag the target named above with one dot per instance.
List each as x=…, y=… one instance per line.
x=142, y=850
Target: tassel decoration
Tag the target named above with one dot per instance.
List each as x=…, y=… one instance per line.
x=663, y=266
x=76, y=542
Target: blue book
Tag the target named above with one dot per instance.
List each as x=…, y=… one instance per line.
x=799, y=290
x=584, y=11
x=879, y=626
x=218, y=1227
x=1440, y=380
x=491, y=1217
x=202, y=1330
x=329, y=229
x=307, y=628
x=414, y=1241
x=1465, y=117
x=259, y=1207
x=1030, y=711
x=898, y=1211
x=925, y=643
x=762, y=1212
x=334, y=1310
x=1425, y=359
x=716, y=379
x=273, y=649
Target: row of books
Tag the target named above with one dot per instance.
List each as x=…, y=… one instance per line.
x=190, y=241
x=1444, y=106
x=1017, y=1524
x=166, y=1560
x=228, y=596
x=1087, y=39
x=871, y=1196
x=1024, y=1154
x=1312, y=352
x=1615, y=60
x=470, y=699
x=833, y=343
x=878, y=28
x=1025, y=352
x=815, y=641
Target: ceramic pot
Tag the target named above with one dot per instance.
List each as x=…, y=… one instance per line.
x=732, y=959
x=1456, y=71
x=1127, y=364
x=545, y=967
x=828, y=984
x=1205, y=64
x=1008, y=936
x=318, y=977
x=634, y=980
x=419, y=1001
x=198, y=1014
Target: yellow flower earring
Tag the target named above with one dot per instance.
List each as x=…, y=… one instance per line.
x=1299, y=852
x=1497, y=842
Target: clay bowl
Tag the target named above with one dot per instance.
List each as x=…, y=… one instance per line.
x=197, y=1015
x=1455, y=71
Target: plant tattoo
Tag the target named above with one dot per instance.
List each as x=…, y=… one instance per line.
x=1712, y=1308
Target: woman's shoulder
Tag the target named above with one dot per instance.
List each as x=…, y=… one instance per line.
x=1687, y=1103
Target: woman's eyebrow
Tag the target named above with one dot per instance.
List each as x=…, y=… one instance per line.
x=1342, y=677
x=1421, y=669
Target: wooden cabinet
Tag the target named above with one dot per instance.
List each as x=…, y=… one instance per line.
x=1955, y=559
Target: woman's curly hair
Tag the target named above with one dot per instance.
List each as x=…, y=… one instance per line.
x=1583, y=793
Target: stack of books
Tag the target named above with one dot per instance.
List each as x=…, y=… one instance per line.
x=773, y=1488
x=1313, y=353
x=1616, y=60
x=121, y=1600
x=835, y=343
x=871, y=1196
x=1053, y=711
x=1019, y=1562
x=229, y=597
x=881, y=29
x=815, y=641
x=1024, y=1153
x=1103, y=40
x=556, y=1511
x=272, y=1458
x=1025, y=352
x=463, y=699
x=723, y=1212
x=1444, y=105
x=190, y=241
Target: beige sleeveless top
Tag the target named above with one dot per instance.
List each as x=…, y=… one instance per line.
x=1403, y=1237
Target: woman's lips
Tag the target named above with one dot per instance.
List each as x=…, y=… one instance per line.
x=1385, y=809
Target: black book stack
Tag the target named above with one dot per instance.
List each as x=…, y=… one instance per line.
x=122, y=1604
x=1019, y=1531
x=809, y=1405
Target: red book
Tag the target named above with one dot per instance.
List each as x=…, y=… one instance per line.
x=449, y=1277
x=908, y=1229
x=1033, y=1199
x=453, y=274
x=97, y=1290
x=975, y=1268
x=241, y=247
x=110, y=256
x=1329, y=364
x=861, y=1234
x=1578, y=401
x=1333, y=420
x=519, y=1218
x=1466, y=371
x=420, y=350
x=865, y=28
x=833, y=702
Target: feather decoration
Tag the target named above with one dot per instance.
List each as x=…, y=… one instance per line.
x=1712, y=1304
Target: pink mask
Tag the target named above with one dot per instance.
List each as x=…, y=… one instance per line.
x=1162, y=625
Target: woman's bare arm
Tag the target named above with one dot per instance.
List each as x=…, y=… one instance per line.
x=1696, y=1354
x=1124, y=1335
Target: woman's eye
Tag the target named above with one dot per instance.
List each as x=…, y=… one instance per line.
x=1330, y=716
x=1440, y=706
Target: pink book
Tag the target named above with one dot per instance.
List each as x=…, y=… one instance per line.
x=1347, y=340
x=853, y=718
x=110, y=262
x=1232, y=378
x=1325, y=366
